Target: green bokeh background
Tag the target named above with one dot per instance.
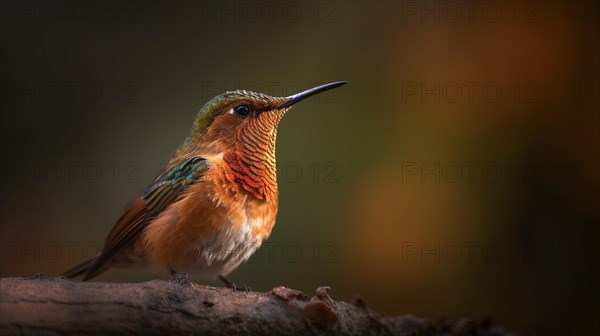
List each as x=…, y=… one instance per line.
x=522, y=250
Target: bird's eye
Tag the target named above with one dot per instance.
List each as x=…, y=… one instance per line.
x=242, y=111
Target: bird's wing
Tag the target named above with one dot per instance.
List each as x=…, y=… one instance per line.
x=165, y=190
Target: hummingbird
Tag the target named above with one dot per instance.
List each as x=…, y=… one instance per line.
x=215, y=201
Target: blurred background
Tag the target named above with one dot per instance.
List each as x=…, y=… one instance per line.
x=455, y=176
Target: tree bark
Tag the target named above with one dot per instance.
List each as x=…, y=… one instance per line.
x=56, y=306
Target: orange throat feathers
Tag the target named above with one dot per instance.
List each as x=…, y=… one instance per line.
x=251, y=160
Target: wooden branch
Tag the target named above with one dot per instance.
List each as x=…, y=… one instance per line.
x=41, y=305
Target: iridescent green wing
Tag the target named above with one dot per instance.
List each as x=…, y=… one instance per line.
x=169, y=185
x=166, y=189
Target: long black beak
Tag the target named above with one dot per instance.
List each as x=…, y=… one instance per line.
x=291, y=100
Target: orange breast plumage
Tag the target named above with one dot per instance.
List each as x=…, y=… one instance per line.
x=213, y=228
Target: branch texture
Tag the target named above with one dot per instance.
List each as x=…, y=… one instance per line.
x=41, y=305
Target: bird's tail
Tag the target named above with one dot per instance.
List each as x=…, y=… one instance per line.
x=80, y=269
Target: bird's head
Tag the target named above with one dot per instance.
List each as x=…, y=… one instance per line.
x=241, y=116
x=240, y=127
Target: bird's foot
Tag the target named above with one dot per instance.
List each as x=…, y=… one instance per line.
x=180, y=278
x=229, y=284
